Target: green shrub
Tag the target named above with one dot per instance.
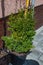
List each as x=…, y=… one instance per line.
x=22, y=32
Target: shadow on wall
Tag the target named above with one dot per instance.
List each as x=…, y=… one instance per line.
x=3, y=16
x=3, y=9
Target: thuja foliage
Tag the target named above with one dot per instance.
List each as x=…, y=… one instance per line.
x=22, y=32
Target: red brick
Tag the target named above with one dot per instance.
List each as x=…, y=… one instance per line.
x=39, y=16
x=1, y=43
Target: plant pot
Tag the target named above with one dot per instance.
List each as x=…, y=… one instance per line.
x=17, y=58
x=20, y=55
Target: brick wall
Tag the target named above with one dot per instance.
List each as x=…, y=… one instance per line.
x=39, y=16
x=1, y=32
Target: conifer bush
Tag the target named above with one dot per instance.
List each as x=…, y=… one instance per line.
x=22, y=32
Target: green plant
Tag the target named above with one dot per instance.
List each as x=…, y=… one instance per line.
x=22, y=32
